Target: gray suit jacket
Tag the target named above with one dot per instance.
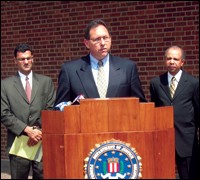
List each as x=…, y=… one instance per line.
x=16, y=112
x=76, y=78
x=186, y=108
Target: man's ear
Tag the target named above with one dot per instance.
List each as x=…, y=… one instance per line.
x=86, y=42
x=182, y=63
x=15, y=61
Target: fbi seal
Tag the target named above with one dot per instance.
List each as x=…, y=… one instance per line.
x=113, y=159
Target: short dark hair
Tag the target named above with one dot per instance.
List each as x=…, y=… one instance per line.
x=22, y=48
x=93, y=24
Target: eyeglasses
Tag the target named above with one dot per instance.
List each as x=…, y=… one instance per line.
x=23, y=59
x=98, y=40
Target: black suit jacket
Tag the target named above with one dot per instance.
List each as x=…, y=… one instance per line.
x=76, y=78
x=186, y=108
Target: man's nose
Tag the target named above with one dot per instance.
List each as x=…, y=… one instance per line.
x=102, y=40
x=26, y=60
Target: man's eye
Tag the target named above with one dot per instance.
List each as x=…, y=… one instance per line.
x=97, y=39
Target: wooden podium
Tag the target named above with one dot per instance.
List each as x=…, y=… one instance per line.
x=69, y=135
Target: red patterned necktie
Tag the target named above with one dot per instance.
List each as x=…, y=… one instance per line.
x=28, y=89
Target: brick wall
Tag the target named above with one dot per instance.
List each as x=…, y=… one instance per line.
x=141, y=31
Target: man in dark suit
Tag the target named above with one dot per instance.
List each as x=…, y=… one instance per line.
x=184, y=97
x=22, y=116
x=81, y=76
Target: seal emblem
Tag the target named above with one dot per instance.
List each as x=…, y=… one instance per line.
x=113, y=159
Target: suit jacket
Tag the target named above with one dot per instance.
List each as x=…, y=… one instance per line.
x=76, y=78
x=16, y=111
x=186, y=108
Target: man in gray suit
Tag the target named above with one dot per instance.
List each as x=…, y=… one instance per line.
x=81, y=76
x=22, y=116
x=184, y=97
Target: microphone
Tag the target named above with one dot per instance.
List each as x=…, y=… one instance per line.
x=81, y=96
x=61, y=105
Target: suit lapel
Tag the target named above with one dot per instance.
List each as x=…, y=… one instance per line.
x=87, y=79
x=19, y=87
x=181, y=84
x=114, y=78
x=164, y=85
x=34, y=86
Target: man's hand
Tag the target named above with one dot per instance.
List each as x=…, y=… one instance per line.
x=35, y=135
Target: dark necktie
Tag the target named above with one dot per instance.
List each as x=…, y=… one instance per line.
x=172, y=87
x=101, y=81
x=28, y=89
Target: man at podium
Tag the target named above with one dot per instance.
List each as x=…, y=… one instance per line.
x=99, y=74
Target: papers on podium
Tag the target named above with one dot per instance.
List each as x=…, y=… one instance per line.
x=20, y=148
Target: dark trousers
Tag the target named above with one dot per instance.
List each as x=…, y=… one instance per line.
x=20, y=168
x=188, y=166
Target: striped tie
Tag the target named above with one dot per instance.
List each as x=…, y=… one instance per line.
x=101, y=81
x=28, y=89
x=172, y=87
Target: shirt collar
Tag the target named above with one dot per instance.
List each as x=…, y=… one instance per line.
x=94, y=61
x=177, y=76
x=22, y=76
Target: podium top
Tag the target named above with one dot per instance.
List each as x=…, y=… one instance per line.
x=108, y=115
